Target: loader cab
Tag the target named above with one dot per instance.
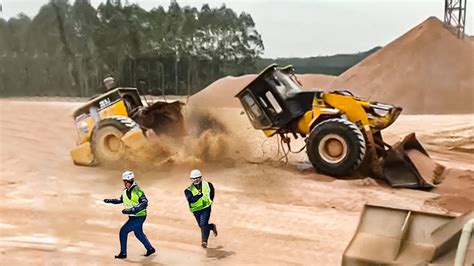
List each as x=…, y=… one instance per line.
x=272, y=100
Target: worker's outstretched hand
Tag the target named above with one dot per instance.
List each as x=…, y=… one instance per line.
x=128, y=211
x=108, y=200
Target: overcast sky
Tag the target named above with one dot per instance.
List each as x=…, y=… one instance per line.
x=308, y=27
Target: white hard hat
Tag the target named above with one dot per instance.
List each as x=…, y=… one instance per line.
x=109, y=79
x=128, y=176
x=195, y=173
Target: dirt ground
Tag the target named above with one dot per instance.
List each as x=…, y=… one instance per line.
x=51, y=212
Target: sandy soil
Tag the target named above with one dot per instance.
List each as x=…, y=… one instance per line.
x=428, y=70
x=268, y=213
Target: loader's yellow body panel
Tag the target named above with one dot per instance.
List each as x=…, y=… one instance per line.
x=84, y=129
x=349, y=106
x=269, y=132
x=134, y=139
x=335, y=104
x=85, y=125
x=304, y=122
x=82, y=154
x=117, y=108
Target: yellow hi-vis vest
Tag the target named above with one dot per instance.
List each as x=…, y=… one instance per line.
x=129, y=203
x=205, y=201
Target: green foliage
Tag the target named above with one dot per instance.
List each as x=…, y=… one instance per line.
x=329, y=65
x=67, y=49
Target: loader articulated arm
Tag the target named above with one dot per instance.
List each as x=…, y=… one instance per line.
x=350, y=107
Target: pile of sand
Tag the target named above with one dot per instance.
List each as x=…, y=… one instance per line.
x=427, y=70
x=456, y=191
x=457, y=138
x=221, y=92
x=316, y=81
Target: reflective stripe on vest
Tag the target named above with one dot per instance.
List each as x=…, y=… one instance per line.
x=129, y=203
x=205, y=201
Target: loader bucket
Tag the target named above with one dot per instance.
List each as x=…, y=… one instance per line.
x=163, y=117
x=394, y=236
x=407, y=164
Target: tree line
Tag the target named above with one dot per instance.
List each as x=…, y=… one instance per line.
x=330, y=65
x=67, y=49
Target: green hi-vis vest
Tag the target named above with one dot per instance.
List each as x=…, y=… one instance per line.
x=129, y=203
x=205, y=201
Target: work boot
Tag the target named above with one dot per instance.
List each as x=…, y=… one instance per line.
x=149, y=252
x=121, y=256
x=214, y=229
x=204, y=244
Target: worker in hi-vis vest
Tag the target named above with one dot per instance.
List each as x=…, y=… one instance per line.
x=135, y=204
x=200, y=195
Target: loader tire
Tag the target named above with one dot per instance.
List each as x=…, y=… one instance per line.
x=106, y=142
x=336, y=147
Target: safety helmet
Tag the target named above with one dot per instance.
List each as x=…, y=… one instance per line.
x=128, y=176
x=109, y=83
x=108, y=79
x=195, y=174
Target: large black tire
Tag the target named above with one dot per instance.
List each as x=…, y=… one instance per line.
x=336, y=147
x=106, y=142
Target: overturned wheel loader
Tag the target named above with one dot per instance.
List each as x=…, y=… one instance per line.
x=394, y=236
x=343, y=133
x=117, y=120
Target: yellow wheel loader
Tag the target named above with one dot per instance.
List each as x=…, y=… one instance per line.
x=117, y=120
x=342, y=132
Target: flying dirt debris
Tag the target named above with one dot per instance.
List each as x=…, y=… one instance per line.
x=117, y=120
x=394, y=236
x=343, y=133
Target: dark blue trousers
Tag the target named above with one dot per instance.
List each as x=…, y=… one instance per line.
x=134, y=224
x=202, y=218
